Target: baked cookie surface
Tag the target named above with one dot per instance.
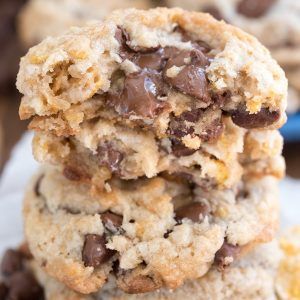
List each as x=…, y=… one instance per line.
x=150, y=91
x=160, y=232
x=250, y=278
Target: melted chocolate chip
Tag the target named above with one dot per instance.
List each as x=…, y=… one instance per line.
x=37, y=186
x=179, y=149
x=112, y=222
x=254, y=8
x=153, y=60
x=72, y=173
x=139, y=95
x=12, y=262
x=214, y=11
x=263, y=118
x=191, y=79
x=194, y=211
x=3, y=291
x=23, y=286
x=226, y=254
x=94, y=252
x=110, y=157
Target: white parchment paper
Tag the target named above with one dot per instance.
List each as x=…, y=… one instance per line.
x=22, y=165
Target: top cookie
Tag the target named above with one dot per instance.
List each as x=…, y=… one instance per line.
x=151, y=69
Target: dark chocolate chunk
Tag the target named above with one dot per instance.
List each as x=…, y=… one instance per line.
x=3, y=291
x=94, y=252
x=179, y=149
x=110, y=157
x=72, y=174
x=112, y=222
x=195, y=211
x=214, y=11
x=23, y=286
x=152, y=60
x=191, y=79
x=226, y=251
x=254, y=8
x=263, y=118
x=12, y=262
x=139, y=95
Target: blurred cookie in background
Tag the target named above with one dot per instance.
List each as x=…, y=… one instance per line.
x=10, y=50
x=42, y=18
x=287, y=281
x=276, y=23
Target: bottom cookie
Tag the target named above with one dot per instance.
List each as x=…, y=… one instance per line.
x=250, y=278
x=148, y=233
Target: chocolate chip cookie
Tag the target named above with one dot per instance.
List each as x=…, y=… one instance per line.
x=42, y=18
x=250, y=278
x=150, y=91
x=161, y=231
x=275, y=23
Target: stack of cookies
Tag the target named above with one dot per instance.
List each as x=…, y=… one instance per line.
x=158, y=135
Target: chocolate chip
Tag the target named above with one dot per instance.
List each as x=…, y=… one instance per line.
x=179, y=149
x=194, y=211
x=166, y=235
x=23, y=286
x=132, y=282
x=112, y=222
x=38, y=185
x=94, y=252
x=214, y=11
x=110, y=157
x=263, y=118
x=71, y=173
x=254, y=8
x=225, y=255
x=153, y=60
x=3, y=291
x=139, y=95
x=191, y=79
x=12, y=262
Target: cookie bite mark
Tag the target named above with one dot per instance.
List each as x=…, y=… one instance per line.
x=254, y=8
x=94, y=252
x=226, y=255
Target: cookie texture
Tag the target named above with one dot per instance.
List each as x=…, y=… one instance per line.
x=150, y=91
x=287, y=280
x=42, y=18
x=250, y=278
x=149, y=233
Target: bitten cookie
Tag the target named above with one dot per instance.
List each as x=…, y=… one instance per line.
x=149, y=233
x=150, y=91
x=250, y=278
x=288, y=277
x=42, y=18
